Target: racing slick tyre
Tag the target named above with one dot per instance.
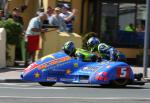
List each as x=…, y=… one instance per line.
x=47, y=83
x=120, y=82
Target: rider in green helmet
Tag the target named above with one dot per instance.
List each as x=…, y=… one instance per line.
x=84, y=55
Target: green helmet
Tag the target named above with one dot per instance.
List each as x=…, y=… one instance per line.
x=69, y=47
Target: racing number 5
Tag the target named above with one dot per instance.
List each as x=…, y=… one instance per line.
x=122, y=72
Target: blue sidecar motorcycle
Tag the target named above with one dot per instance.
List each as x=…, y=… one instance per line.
x=59, y=67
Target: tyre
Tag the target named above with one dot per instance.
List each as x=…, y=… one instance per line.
x=120, y=82
x=47, y=83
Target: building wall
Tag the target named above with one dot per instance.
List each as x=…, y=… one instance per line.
x=85, y=13
x=47, y=3
x=3, y=48
x=77, y=5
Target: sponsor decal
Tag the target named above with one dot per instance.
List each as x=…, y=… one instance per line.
x=102, y=76
x=108, y=66
x=43, y=66
x=91, y=68
x=53, y=62
x=31, y=67
x=37, y=75
x=84, y=81
x=97, y=77
x=68, y=71
x=100, y=67
x=75, y=65
x=51, y=79
x=65, y=79
x=86, y=68
x=56, y=66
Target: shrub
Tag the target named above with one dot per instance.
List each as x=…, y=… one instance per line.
x=13, y=30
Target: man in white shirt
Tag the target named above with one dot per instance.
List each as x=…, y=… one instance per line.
x=33, y=33
x=68, y=16
x=57, y=20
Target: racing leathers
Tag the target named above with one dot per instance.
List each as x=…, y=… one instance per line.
x=84, y=55
x=108, y=52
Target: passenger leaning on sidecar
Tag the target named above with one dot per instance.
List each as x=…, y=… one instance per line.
x=81, y=54
x=105, y=51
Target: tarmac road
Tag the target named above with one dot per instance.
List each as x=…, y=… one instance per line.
x=72, y=93
x=13, y=92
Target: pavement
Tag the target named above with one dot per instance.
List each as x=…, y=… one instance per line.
x=12, y=74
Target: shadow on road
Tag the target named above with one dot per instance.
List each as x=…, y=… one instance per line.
x=97, y=86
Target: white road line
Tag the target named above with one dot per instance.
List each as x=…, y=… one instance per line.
x=31, y=88
x=79, y=98
x=13, y=84
x=20, y=84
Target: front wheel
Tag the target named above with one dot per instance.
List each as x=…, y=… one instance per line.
x=47, y=83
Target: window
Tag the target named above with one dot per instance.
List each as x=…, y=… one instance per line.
x=61, y=2
x=64, y=0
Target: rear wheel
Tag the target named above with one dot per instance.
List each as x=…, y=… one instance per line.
x=47, y=83
x=120, y=82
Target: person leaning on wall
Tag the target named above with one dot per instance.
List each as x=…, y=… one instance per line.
x=33, y=33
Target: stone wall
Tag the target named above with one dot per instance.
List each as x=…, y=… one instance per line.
x=2, y=48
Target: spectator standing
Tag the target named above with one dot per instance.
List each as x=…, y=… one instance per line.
x=16, y=16
x=33, y=33
x=19, y=52
x=40, y=10
x=2, y=17
x=130, y=28
x=140, y=28
x=57, y=20
x=68, y=17
x=49, y=13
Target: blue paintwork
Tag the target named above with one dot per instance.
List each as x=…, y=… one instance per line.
x=59, y=67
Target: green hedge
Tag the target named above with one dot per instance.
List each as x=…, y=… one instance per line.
x=13, y=30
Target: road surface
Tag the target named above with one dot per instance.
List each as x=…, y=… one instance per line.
x=72, y=93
